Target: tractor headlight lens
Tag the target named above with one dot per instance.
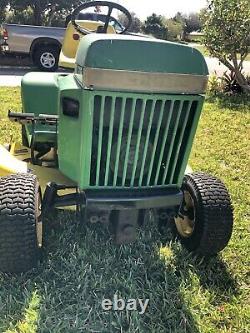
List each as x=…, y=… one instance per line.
x=70, y=107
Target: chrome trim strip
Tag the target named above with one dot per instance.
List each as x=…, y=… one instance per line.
x=109, y=79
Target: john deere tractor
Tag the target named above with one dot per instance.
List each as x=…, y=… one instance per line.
x=112, y=139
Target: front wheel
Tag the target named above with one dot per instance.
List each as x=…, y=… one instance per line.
x=205, y=220
x=20, y=223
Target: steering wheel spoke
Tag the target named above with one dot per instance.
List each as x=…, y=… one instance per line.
x=105, y=28
x=111, y=6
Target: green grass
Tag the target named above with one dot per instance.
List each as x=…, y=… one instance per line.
x=187, y=294
x=205, y=51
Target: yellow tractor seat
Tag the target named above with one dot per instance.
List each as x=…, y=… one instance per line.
x=71, y=41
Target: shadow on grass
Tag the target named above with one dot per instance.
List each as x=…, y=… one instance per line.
x=83, y=266
x=213, y=275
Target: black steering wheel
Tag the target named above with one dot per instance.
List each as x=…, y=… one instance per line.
x=102, y=28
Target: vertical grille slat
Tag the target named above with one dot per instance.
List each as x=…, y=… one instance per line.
x=110, y=137
x=131, y=124
x=173, y=138
x=100, y=134
x=156, y=141
x=143, y=109
x=176, y=152
x=141, y=140
x=119, y=141
x=166, y=132
x=145, y=152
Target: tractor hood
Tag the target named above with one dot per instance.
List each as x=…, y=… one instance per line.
x=140, y=64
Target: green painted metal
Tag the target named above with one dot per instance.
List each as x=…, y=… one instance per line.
x=111, y=124
x=190, y=140
x=40, y=95
x=163, y=145
x=178, y=147
x=147, y=140
x=75, y=134
x=143, y=109
x=100, y=141
x=170, y=104
x=139, y=54
x=173, y=138
x=86, y=143
x=154, y=146
x=79, y=140
x=131, y=124
x=119, y=141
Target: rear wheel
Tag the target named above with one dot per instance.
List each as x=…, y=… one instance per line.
x=205, y=220
x=20, y=223
x=46, y=58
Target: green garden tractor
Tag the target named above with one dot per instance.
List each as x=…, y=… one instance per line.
x=112, y=140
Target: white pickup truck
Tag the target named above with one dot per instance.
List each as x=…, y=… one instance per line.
x=43, y=44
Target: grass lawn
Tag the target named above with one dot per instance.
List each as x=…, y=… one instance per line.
x=187, y=294
x=205, y=52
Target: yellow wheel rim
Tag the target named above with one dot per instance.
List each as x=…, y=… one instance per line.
x=185, y=223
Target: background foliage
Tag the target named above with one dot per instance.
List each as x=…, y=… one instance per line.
x=226, y=34
x=54, y=13
x=37, y=12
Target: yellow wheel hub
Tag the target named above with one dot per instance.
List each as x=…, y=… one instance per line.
x=185, y=222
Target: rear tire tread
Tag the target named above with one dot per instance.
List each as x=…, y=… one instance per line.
x=19, y=250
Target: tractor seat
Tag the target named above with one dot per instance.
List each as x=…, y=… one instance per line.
x=138, y=64
x=71, y=42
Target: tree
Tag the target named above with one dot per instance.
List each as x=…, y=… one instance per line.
x=3, y=5
x=136, y=22
x=193, y=23
x=175, y=29
x=179, y=17
x=226, y=33
x=20, y=16
x=189, y=23
x=44, y=12
x=154, y=26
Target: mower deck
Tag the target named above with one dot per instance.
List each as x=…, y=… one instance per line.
x=10, y=164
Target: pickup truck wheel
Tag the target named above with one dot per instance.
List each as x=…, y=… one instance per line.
x=20, y=223
x=46, y=58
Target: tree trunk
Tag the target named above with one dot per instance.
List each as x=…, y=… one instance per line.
x=37, y=13
x=51, y=15
x=239, y=76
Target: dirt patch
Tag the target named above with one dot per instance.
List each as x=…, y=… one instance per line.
x=15, y=60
